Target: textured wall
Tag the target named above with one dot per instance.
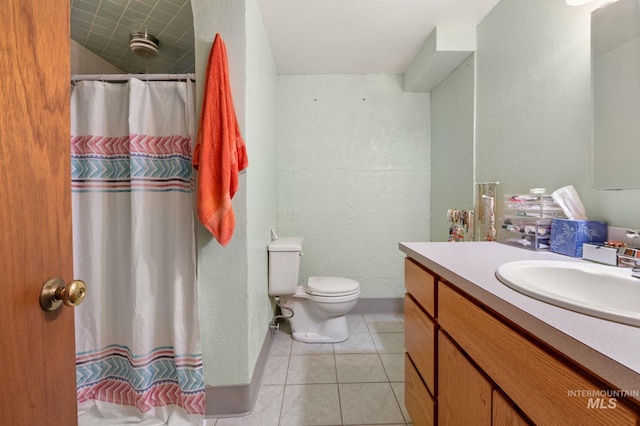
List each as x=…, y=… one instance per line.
x=353, y=175
x=222, y=271
x=452, y=133
x=235, y=308
x=262, y=189
x=534, y=104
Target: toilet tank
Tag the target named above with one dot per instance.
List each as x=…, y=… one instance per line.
x=284, y=265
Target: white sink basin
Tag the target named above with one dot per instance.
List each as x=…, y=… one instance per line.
x=601, y=291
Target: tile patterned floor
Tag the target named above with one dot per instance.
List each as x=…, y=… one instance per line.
x=359, y=381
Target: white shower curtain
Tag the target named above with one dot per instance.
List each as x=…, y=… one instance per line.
x=138, y=356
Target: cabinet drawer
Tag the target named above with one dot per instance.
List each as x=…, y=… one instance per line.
x=535, y=380
x=417, y=400
x=420, y=341
x=421, y=284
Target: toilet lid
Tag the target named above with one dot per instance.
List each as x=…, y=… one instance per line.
x=331, y=286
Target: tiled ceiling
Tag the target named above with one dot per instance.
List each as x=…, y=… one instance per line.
x=103, y=27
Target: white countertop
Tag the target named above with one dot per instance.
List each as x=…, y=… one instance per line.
x=608, y=349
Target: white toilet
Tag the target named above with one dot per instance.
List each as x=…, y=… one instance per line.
x=320, y=307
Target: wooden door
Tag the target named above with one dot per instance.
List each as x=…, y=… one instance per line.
x=37, y=348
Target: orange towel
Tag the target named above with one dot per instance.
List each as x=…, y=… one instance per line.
x=220, y=152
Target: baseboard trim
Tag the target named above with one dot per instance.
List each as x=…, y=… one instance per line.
x=379, y=306
x=238, y=400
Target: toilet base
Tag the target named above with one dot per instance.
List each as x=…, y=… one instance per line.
x=333, y=330
x=319, y=323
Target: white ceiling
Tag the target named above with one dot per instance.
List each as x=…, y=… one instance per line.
x=358, y=36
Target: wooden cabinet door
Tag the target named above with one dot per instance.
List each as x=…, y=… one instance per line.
x=464, y=395
x=503, y=412
x=37, y=352
x=536, y=380
x=418, y=401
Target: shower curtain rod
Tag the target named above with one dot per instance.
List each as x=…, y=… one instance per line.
x=127, y=77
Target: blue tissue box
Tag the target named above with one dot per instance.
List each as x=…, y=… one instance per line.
x=567, y=235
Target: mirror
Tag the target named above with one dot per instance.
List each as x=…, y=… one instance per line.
x=615, y=46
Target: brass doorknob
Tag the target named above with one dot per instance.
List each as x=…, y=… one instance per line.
x=55, y=292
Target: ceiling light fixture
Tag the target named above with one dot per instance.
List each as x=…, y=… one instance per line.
x=144, y=44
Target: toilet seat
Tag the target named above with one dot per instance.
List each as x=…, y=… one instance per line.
x=331, y=286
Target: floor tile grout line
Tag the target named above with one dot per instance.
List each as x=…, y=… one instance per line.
x=284, y=386
x=335, y=361
x=335, y=366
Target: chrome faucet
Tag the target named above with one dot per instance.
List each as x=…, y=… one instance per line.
x=631, y=256
x=632, y=233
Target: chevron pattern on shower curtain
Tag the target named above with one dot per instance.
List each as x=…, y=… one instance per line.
x=130, y=163
x=144, y=381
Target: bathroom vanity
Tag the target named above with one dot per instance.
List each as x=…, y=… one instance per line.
x=478, y=352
